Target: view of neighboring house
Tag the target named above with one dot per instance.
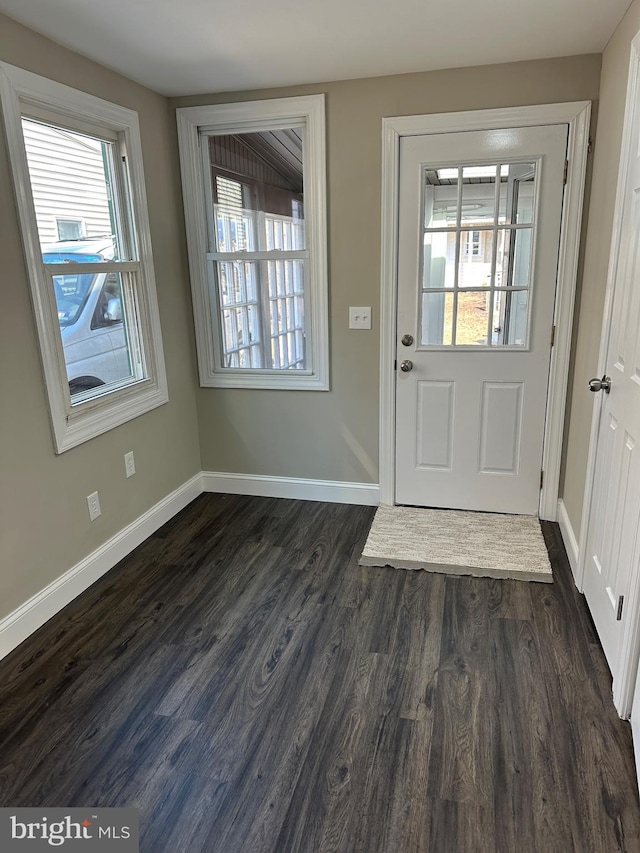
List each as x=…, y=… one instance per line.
x=67, y=170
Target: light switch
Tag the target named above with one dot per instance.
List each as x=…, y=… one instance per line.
x=360, y=318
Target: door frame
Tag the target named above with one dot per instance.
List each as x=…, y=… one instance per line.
x=623, y=680
x=576, y=115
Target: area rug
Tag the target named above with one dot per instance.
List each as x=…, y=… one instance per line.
x=465, y=543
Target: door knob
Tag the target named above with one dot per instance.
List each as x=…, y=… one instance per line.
x=406, y=365
x=603, y=384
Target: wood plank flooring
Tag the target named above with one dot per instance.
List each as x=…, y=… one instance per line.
x=246, y=685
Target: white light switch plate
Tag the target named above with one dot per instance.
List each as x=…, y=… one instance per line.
x=360, y=318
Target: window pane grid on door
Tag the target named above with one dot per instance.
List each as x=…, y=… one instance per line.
x=437, y=318
x=477, y=241
x=513, y=261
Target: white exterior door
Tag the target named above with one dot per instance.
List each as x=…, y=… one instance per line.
x=613, y=539
x=479, y=225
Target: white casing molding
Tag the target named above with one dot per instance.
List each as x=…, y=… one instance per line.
x=569, y=538
x=31, y=615
x=331, y=491
x=576, y=115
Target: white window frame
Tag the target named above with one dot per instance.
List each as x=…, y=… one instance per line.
x=307, y=111
x=77, y=423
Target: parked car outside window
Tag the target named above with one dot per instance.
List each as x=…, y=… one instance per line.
x=90, y=315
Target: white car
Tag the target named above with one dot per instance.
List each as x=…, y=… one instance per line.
x=90, y=315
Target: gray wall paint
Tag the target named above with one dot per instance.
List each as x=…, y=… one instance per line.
x=606, y=161
x=334, y=435
x=44, y=524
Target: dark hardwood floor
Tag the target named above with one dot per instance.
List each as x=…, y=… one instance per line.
x=249, y=688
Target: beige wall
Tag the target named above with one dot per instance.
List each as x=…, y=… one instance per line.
x=44, y=525
x=334, y=435
x=606, y=158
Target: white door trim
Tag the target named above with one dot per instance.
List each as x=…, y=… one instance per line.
x=576, y=115
x=624, y=679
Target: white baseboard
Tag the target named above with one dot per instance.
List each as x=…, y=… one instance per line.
x=34, y=613
x=26, y=619
x=569, y=539
x=331, y=491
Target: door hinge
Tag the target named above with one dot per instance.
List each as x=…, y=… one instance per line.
x=620, y=603
x=566, y=172
x=541, y=478
x=553, y=335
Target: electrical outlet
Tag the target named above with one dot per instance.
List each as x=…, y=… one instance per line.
x=359, y=318
x=129, y=464
x=93, y=502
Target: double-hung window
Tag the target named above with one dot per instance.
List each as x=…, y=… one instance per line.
x=77, y=168
x=254, y=191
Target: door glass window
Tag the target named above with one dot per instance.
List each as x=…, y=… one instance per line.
x=477, y=255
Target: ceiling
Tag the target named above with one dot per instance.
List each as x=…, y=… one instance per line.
x=179, y=47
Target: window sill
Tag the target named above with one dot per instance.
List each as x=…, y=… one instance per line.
x=82, y=426
x=267, y=381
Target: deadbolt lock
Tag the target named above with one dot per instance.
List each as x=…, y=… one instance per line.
x=407, y=340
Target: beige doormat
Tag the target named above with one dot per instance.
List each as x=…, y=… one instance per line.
x=462, y=543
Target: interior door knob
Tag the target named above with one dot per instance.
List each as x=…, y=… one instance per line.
x=603, y=384
x=406, y=365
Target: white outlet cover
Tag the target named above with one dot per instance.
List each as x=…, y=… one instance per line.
x=129, y=464
x=93, y=502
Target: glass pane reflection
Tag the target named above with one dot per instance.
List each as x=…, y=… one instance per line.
x=437, y=319
x=439, y=259
x=513, y=261
x=440, y=199
x=517, y=194
x=510, y=315
x=472, y=318
x=479, y=198
x=476, y=255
